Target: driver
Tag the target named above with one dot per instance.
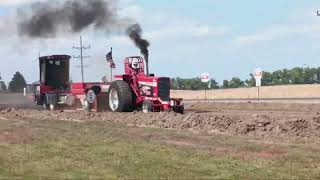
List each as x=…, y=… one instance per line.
x=135, y=64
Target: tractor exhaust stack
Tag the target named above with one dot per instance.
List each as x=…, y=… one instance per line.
x=147, y=64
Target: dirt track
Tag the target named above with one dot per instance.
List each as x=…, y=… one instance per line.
x=245, y=119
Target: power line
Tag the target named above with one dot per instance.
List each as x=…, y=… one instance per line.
x=81, y=57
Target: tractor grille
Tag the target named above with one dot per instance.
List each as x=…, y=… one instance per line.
x=164, y=89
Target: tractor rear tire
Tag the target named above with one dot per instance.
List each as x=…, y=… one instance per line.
x=120, y=97
x=45, y=105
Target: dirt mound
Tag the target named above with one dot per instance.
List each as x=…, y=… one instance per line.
x=242, y=122
x=291, y=107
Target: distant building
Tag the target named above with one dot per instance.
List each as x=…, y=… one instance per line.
x=31, y=87
x=2, y=84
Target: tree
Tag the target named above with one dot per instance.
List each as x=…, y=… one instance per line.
x=225, y=84
x=17, y=83
x=266, y=79
x=3, y=86
x=192, y=84
x=297, y=75
x=236, y=82
x=251, y=82
x=214, y=84
x=286, y=76
x=310, y=75
x=277, y=77
x=180, y=84
x=318, y=74
x=174, y=84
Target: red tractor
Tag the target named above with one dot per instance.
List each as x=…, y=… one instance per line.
x=54, y=89
x=134, y=90
x=54, y=80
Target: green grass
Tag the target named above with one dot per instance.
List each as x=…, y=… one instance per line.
x=66, y=150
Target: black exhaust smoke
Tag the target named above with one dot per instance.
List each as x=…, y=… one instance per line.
x=45, y=19
x=134, y=32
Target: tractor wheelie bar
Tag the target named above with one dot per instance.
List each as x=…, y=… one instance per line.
x=134, y=90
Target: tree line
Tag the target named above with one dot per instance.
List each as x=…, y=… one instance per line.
x=17, y=84
x=297, y=75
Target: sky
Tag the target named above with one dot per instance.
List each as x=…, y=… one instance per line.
x=225, y=38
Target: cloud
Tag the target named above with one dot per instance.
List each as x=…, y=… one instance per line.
x=186, y=30
x=7, y=27
x=302, y=23
x=162, y=25
x=16, y=2
x=279, y=32
x=133, y=11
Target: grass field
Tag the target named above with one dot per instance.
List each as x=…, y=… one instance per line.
x=32, y=149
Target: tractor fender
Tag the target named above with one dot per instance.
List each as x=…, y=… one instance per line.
x=95, y=89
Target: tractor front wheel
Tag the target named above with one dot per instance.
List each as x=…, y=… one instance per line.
x=52, y=107
x=120, y=97
x=45, y=105
x=147, y=106
x=178, y=109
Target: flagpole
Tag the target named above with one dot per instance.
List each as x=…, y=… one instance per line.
x=111, y=75
x=111, y=68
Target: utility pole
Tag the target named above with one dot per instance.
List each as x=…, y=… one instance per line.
x=81, y=57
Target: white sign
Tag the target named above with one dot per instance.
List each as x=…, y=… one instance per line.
x=205, y=77
x=258, y=76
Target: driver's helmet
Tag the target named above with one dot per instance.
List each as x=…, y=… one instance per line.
x=135, y=64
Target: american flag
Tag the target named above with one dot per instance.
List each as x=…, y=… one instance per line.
x=109, y=57
x=110, y=60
